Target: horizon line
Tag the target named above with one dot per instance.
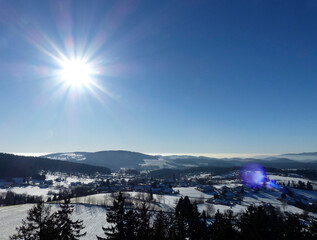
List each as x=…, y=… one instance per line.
x=212, y=155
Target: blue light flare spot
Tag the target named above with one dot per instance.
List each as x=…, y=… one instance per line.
x=272, y=184
x=253, y=175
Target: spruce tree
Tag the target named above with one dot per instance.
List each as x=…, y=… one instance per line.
x=195, y=226
x=187, y=222
x=68, y=229
x=293, y=229
x=131, y=225
x=38, y=225
x=260, y=223
x=309, y=186
x=178, y=229
x=312, y=231
x=222, y=227
x=143, y=215
x=160, y=227
x=117, y=218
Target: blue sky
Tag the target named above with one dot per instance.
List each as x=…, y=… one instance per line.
x=171, y=76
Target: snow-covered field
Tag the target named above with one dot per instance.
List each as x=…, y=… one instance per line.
x=286, y=179
x=94, y=218
x=30, y=190
x=38, y=191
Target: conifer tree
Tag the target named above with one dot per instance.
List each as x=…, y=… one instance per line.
x=68, y=229
x=38, y=225
x=160, y=227
x=260, y=223
x=222, y=227
x=186, y=222
x=293, y=228
x=178, y=229
x=118, y=219
x=309, y=186
x=143, y=217
x=195, y=227
x=131, y=225
x=313, y=230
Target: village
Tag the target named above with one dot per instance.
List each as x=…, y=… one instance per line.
x=226, y=189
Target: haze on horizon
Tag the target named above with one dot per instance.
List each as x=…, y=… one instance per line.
x=212, y=155
x=186, y=77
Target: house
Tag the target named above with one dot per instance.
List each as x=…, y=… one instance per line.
x=206, y=188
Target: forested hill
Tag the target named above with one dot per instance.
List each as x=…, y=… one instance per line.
x=112, y=159
x=20, y=166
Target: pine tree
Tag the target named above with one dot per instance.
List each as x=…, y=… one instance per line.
x=222, y=227
x=187, y=223
x=178, y=229
x=313, y=230
x=260, y=223
x=117, y=219
x=68, y=229
x=160, y=227
x=38, y=225
x=293, y=228
x=131, y=225
x=195, y=227
x=143, y=222
x=309, y=186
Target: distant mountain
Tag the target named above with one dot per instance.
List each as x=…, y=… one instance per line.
x=126, y=159
x=111, y=159
x=300, y=156
x=20, y=166
x=239, y=162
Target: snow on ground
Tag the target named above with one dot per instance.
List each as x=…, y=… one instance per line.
x=30, y=190
x=229, y=184
x=68, y=179
x=67, y=157
x=192, y=192
x=96, y=199
x=286, y=179
x=158, y=163
x=306, y=193
x=263, y=196
x=221, y=208
x=165, y=202
x=94, y=218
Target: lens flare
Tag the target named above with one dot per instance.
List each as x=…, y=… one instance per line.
x=253, y=175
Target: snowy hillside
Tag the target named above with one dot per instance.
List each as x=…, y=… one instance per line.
x=94, y=218
x=90, y=209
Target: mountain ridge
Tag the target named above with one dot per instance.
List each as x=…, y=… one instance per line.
x=116, y=159
x=22, y=166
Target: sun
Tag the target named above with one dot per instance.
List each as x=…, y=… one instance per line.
x=76, y=72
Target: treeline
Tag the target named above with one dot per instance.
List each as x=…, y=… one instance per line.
x=128, y=222
x=178, y=173
x=20, y=166
x=11, y=198
x=186, y=222
x=299, y=185
x=306, y=173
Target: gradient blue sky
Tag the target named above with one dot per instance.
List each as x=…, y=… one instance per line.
x=174, y=76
